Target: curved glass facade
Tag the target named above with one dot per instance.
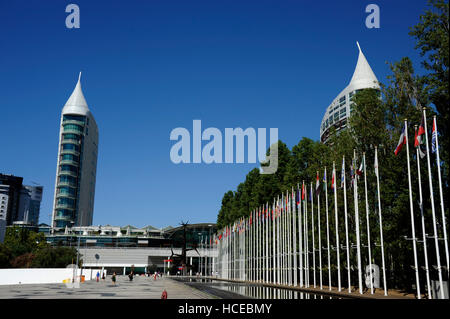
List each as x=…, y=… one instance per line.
x=68, y=171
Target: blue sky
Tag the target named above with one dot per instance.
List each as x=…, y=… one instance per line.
x=151, y=66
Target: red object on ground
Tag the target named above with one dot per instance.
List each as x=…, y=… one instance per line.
x=164, y=294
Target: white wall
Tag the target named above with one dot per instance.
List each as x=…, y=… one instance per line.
x=41, y=275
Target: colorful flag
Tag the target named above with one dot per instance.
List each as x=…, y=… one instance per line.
x=333, y=180
x=303, y=191
x=342, y=173
x=360, y=170
x=324, y=179
x=401, y=142
x=433, y=137
x=418, y=140
x=317, y=185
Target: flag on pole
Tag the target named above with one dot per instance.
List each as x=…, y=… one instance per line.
x=401, y=142
x=375, y=165
x=352, y=171
x=333, y=180
x=297, y=196
x=317, y=185
x=303, y=191
x=342, y=173
x=433, y=137
x=419, y=138
x=360, y=170
x=325, y=179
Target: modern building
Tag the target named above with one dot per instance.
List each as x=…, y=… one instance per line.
x=29, y=205
x=76, y=168
x=10, y=190
x=118, y=249
x=339, y=111
x=19, y=204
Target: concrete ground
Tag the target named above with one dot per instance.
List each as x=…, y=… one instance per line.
x=139, y=288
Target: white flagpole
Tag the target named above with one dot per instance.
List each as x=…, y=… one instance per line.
x=337, y=227
x=288, y=220
x=444, y=225
x=424, y=234
x=312, y=232
x=273, y=243
x=436, y=235
x=266, y=222
x=294, y=235
x=328, y=233
x=368, y=225
x=300, y=236
x=347, y=244
x=306, y=238
x=358, y=240
x=318, y=229
x=412, y=215
x=377, y=173
x=278, y=247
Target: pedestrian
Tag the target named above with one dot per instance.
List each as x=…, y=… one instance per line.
x=131, y=276
x=113, y=278
x=98, y=275
x=164, y=294
x=104, y=275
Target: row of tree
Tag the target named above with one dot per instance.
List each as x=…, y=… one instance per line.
x=23, y=248
x=377, y=120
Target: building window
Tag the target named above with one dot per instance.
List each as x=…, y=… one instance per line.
x=73, y=127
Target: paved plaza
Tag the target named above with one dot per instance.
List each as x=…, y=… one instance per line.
x=140, y=288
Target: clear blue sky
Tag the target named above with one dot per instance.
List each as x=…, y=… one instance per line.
x=151, y=66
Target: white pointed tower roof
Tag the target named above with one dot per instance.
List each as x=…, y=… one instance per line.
x=76, y=104
x=363, y=74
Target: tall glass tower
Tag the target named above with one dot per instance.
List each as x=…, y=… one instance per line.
x=76, y=169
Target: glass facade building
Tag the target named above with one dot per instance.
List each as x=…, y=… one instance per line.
x=76, y=169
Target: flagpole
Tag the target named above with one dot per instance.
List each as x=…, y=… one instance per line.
x=436, y=236
x=444, y=225
x=337, y=228
x=300, y=235
x=424, y=235
x=412, y=214
x=306, y=238
x=328, y=232
x=312, y=233
x=294, y=234
x=377, y=173
x=318, y=229
x=347, y=245
x=358, y=240
x=273, y=243
x=368, y=226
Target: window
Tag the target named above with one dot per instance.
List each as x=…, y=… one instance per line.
x=73, y=118
x=70, y=157
x=342, y=99
x=70, y=136
x=73, y=127
x=69, y=168
x=71, y=147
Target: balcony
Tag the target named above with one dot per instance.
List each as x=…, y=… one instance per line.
x=69, y=162
x=74, y=152
x=70, y=173
x=66, y=206
x=65, y=195
x=64, y=183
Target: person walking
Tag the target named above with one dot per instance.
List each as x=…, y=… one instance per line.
x=113, y=278
x=98, y=276
x=104, y=275
x=131, y=276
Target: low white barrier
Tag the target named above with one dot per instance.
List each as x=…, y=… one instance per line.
x=42, y=275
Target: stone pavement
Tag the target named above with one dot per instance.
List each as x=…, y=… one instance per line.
x=140, y=288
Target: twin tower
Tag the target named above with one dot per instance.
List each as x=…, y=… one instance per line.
x=76, y=170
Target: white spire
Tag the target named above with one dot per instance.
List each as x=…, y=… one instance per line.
x=76, y=103
x=363, y=72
